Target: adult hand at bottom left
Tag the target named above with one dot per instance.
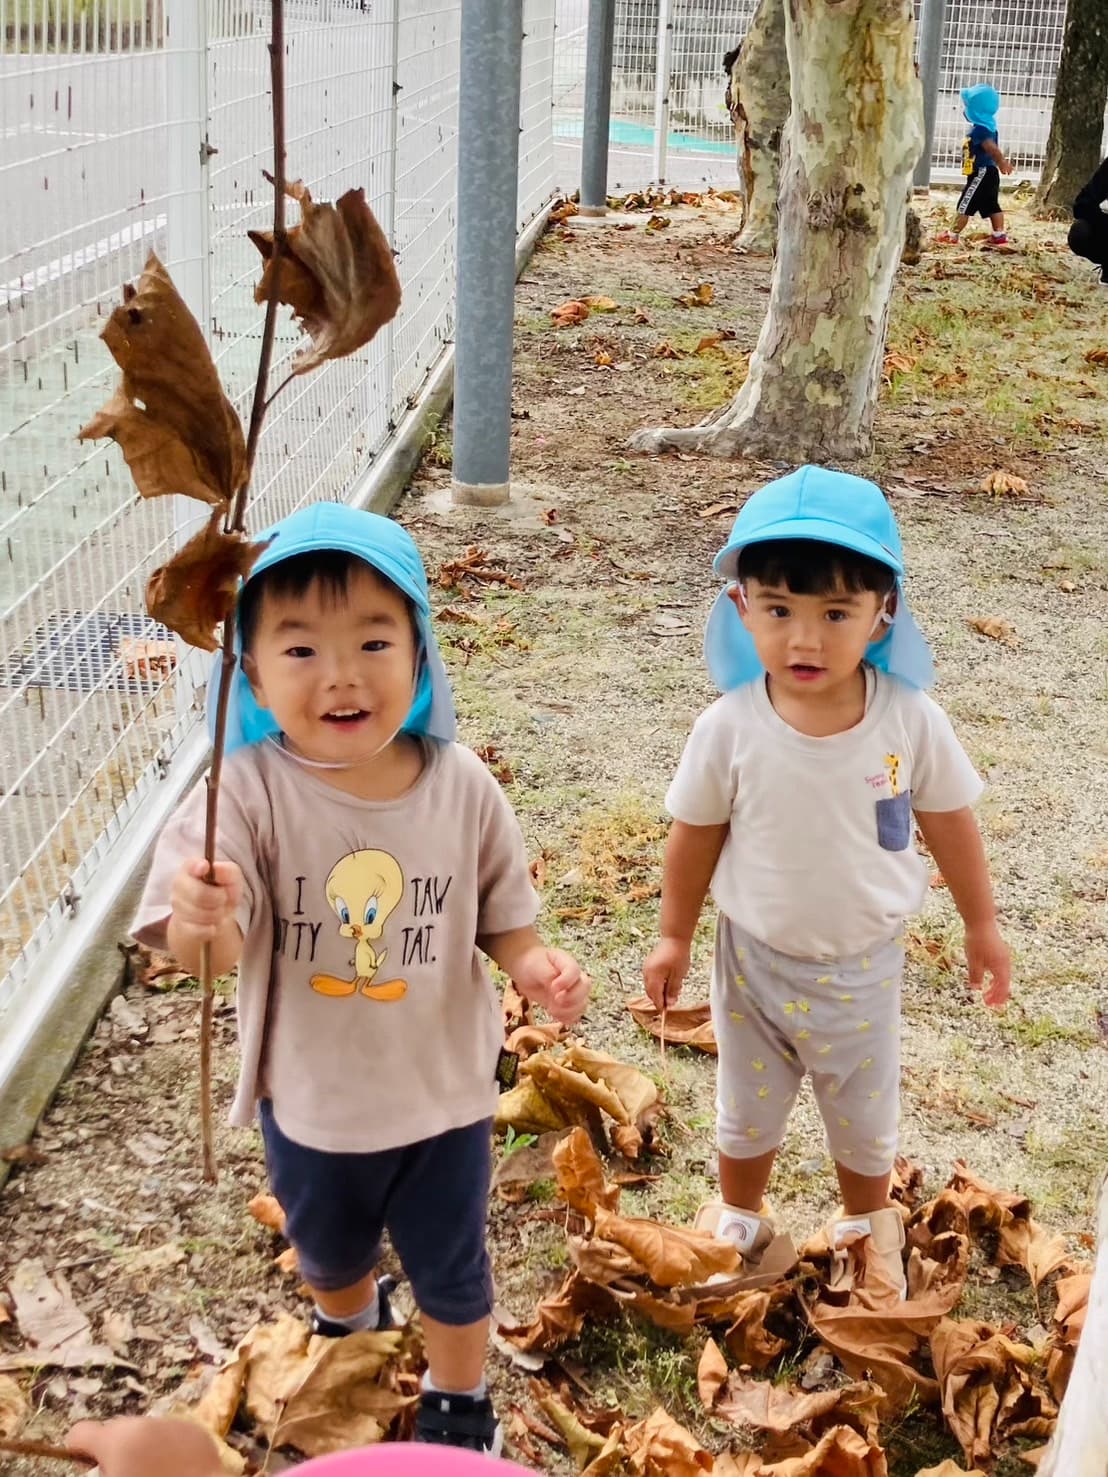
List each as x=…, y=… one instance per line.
x=139, y=1446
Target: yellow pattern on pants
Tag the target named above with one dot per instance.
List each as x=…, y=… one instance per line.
x=777, y=1018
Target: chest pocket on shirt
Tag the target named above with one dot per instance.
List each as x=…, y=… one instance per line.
x=894, y=822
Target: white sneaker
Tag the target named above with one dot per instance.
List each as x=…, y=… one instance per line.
x=766, y=1253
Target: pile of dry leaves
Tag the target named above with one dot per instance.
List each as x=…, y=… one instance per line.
x=793, y=1381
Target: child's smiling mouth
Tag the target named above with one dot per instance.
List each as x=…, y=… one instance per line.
x=345, y=716
x=805, y=673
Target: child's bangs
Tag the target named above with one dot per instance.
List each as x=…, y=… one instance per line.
x=329, y=571
x=809, y=567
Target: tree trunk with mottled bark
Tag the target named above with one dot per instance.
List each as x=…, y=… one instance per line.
x=758, y=99
x=850, y=145
x=1077, y=121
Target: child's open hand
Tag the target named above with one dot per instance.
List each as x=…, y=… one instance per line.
x=137, y=1446
x=987, y=954
x=555, y=980
x=201, y=909
x=664, y=971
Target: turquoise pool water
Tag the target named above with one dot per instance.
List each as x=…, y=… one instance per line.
x=639, y=135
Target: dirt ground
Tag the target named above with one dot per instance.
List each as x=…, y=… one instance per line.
x=585, y=681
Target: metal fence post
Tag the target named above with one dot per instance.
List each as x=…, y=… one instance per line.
x=932, y=25
x=188, y=212
x=599, y=46
x=488, y=186
x=663, y=53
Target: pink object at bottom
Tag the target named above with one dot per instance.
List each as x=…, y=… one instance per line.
x=404, y=1459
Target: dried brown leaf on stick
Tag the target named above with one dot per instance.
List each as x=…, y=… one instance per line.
x=176, y=428
x=682, y=1025
x=337, y=274
x=194, y=593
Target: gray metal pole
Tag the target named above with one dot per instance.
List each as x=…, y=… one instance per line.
x=488, y=173
x=932, y=23
x=599, y=45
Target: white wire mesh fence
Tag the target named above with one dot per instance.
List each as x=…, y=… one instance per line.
x=1014, y=44
x=103, y=108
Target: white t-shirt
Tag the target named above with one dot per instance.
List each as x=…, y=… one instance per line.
x=819, y=862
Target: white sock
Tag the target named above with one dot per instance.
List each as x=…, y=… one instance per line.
x=477, y=1393
x=368, y=1318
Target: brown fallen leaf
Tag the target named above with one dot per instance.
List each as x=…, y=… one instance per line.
x=685, y=1025
x=601, y=304
x=558, y=1089
x=603, y=359
x=988, y=1389
x=526, y=1040
x=711, y=1373
x=582, y=1183
x=195, y=591
x=665, y=350
x=567, y=315
x=698, y=297
x=783, y=1408
x=840, y=1452
x=748, y=1340
x=995, y=628
x=896, y=363
x=581, y=1443
x=321, y=1395
x=1069, y=1321
x=474, y=564
x=14, y=1407
x=949, y=1469
x=716, y=510
x=560, y=1316
x=56, y=1331
x=881, y=1346
x=1003, y=484
x=491, y=757
x=266, y=1210
x=658, y=223
x=660, y=1447
x=1097, y=356
x=337, y=275
x=177, y=430
x=671, y=1256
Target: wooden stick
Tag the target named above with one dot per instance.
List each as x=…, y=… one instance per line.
x=49, y=1453
x=237, y=524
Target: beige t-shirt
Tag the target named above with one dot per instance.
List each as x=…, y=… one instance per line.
x=365, y=1009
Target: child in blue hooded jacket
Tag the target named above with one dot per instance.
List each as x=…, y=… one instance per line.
x=982, y=163
x=796, y=801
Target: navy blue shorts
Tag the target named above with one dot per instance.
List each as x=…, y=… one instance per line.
x=432, y=1197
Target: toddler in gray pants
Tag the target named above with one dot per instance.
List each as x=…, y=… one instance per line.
x=794, y=802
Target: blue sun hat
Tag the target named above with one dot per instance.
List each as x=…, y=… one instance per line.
x=827, y=507
x=981, y=105
x=385, y=547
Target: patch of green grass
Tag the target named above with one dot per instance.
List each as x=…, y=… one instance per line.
x=438, y=448
x=948, y=342
x=637, y=1366
x=707, y=380
x=1019, y=1028
x=542, y=1192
